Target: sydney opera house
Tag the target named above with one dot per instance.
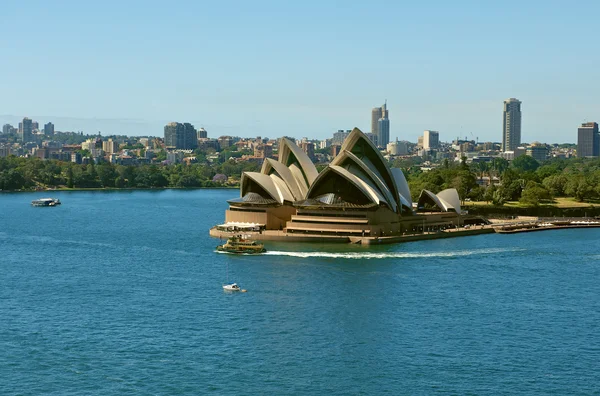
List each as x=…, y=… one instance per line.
x=356, y=197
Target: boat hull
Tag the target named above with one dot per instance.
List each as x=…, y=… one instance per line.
x=238, y=251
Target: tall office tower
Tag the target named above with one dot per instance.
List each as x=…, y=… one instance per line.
x=180, y=136
x=25, y=130
x=431, y=140
x=49, y=129
x=383, y=136
x=110, y=146
x=7, y=129
x=190, y=137
x=173, y=134
x=588, y=140
x=202, y=134
x=35, y=125
x=511, y=129
x=377, y=114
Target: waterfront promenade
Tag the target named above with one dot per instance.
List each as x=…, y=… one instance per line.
x=282, y=236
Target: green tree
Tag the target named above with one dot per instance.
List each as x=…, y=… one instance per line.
x=525, y=163
x=556, y=184
x=107, y=175
x=533, y=194
x=488, y=195
x=580, y=187
x=70, y=177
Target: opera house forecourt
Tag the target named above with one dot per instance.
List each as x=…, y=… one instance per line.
x=357, y=198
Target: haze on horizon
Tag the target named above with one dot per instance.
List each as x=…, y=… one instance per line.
x=301, y=69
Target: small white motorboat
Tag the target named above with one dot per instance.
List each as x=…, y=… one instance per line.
x=233, y=287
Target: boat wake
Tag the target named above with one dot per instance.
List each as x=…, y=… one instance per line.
x=384, y=255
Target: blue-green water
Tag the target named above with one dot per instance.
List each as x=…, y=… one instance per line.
x=118, y=293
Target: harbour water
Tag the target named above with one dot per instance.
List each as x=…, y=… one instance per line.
x=117, y=293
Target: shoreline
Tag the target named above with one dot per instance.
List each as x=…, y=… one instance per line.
x=282, y=236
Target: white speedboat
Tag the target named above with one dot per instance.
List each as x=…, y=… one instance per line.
x=232, y=287
x=46, y=202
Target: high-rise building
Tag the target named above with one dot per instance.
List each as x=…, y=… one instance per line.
x=8, y=129
x=180, y=136
x=110, y=146
x=588, y=140
x=173, y=135
x=538, y=151
x=202, y=134
x=35, y=125
x=431, y=140
x=383, y=135
x=225, y=141
x=263, y=150
x=511, y=129
x=376, y=114
x=308, y=148
x=339, y=137
x=49, y=129
x=26, y=130
x=190, y=137
x=325, y=143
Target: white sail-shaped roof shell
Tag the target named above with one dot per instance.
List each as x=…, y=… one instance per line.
x=306, y=166
x=447, y=200
x=403, y=189
x=299, y=178
x=283, y=190
x=270, y=165
x=373, y=159
x=372, y=174
x=369, y=192
x=264, y=181
x=450, y=198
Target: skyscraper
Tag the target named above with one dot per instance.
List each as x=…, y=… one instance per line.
x=380, y=114
x=511, y=129
x=25, y=130
x=7, y=129
x=172, y=130
x=383, y=136
x=375, y=116
x=110, y=146
x=588, y=140
x=202, y=134
x=431, y=140
x=190, y=137
x=49, y=129
x=180, y=136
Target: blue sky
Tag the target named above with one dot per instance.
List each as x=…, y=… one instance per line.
x=304, y=68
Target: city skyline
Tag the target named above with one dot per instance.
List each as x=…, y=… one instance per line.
x=118, y=78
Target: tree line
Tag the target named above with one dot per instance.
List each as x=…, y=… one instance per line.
x=524, y=179
x=18, y=173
